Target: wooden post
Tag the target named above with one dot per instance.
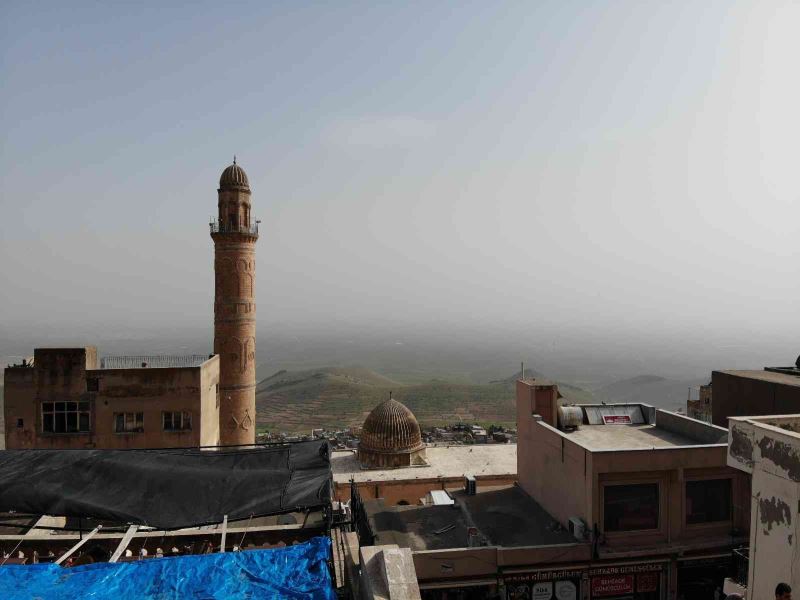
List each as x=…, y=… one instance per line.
x=72, y=550
x=224, y=533
x=126, y=539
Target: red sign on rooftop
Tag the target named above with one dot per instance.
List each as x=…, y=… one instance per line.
x=616, y=419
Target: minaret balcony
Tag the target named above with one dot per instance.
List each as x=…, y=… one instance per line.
x=247, y=228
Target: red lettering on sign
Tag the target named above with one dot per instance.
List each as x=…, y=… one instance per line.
x=613, y=585
x=616, y=419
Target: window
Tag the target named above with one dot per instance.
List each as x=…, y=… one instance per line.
x=20, y=423
x=630, y=507
x=177, y=421
x=708, y=501
x=65, y=417
x=93, y=384
x=128, y=422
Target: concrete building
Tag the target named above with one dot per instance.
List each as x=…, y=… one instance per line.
x=771, y=391
x=642, y=482
x=63, y=399
x=768, y=448
x=235, y=235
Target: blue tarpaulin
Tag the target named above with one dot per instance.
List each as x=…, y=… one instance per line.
x=298, y=571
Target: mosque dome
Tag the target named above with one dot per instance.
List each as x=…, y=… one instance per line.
x=390, y=437
x=234, y=177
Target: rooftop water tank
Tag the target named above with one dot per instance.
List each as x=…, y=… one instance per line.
x=569, y=417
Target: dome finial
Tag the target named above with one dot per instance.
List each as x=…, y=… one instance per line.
x=234, y=177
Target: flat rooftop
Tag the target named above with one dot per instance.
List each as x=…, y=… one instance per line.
x=157, y=361
x=639, y=427
x=443, y=461
x=504, y=516
x=615, y=437
x=770, y=376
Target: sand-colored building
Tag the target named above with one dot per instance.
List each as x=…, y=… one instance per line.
x=699, y=407
x=68, y=398
x=65, y=399
x=490, y=464
x=638, y=481
x=235, y=234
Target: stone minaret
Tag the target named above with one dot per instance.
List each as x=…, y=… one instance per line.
x=235, y=236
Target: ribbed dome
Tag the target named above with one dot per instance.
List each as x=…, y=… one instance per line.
x=234, y=177
x=391, y=428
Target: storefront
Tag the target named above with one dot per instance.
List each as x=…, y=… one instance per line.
x=563, y=584
x=643, y=581
x=464, y=590
x=699, y=577
x=629, y=581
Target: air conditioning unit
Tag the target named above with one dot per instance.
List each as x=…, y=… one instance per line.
x=470, y=485
x=577, y=528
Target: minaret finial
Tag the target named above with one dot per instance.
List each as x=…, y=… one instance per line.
x=234, y=159
x=390, y=394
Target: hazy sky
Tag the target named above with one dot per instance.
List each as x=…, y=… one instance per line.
x=598, y=165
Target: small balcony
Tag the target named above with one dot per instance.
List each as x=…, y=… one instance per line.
x=248, y=228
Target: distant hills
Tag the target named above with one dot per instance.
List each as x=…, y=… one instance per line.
x=664, y=393
x=342, y=397
x=336, y=397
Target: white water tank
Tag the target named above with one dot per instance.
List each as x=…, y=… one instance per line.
x=569, y=417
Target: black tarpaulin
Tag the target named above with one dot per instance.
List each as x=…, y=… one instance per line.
x=166, y=489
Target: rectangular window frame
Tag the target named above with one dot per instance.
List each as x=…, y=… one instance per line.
x=703, y=524
x=127, y=423
x=67, y=417
x=637, y=482
x=176, y=421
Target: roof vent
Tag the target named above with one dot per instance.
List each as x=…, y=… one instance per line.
x=577, y=528
x=470, y=485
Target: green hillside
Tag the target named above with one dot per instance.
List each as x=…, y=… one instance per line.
x=341, y=397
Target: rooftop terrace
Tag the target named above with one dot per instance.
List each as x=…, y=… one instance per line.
x=503, y=516
x=784, y=377
x=640, y=426
x=157, y=361
x=608, y=437
x=447, y=461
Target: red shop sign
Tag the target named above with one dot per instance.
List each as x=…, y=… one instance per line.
x=616, y=420
x=612, y=585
